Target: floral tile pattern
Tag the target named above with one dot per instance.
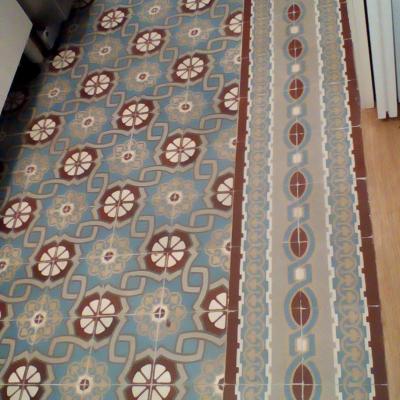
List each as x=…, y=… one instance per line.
x=139, y=256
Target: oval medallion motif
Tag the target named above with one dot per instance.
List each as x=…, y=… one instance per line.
x=297, y=184
x=303, y=383
x=295, y=48
x=296, y=89
x=300, y=308
x=298, y=242
x=294, y=12
x=296, y=134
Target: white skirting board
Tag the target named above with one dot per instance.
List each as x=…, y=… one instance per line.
x=396, y=31
x=380, y=22
x=384, y=32
x=358, y=24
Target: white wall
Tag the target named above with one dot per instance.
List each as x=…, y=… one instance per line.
x=15, y=28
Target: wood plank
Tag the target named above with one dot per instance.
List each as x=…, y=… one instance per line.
x=382, y=157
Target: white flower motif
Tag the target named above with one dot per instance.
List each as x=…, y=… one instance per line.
x=167, y=251
x=190, y=67
x=43, y=129
x=17, y=214
x=23, y=381
x=78, y=163
x=231, y=99
x=64, y=59
x=119, y=203
x=135, y=114
x=217, y=311
x=54, y=260
x=147, y=42
x=224, y=192
x=97, y=84
x=180, y=150
x=196, y=5
x=161, y=382
x=235, y=23
x=112, y=19
x=97, y=316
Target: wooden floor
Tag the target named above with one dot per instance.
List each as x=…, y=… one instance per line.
x=382, y=156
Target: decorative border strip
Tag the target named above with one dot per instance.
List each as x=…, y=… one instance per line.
x=349, y=315
x=301, y=307
x=327, y=205
x=236, y=284
x=377, y=386
x=251, y=213
x=367, y=243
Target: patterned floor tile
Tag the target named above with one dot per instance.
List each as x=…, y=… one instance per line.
x=132, y=340
x=12, y=329
x=178, y=338
x=139, y=256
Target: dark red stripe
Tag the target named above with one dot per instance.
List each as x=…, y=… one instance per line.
x=234, y=279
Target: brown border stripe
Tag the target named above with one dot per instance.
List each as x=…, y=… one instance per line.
x=231, y=367
x=367, y=248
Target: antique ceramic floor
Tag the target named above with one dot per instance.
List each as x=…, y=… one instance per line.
x=183, y=209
